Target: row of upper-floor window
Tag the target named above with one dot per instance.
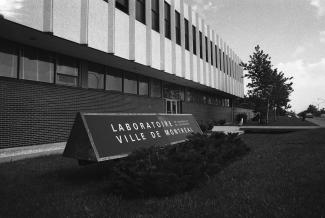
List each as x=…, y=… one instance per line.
x=27, y=63
x=217, y=57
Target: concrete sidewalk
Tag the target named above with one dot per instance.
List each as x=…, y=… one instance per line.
x=19, y=153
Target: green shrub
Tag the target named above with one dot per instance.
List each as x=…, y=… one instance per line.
x=176, y=168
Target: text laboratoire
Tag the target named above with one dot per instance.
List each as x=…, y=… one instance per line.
x=140, y=126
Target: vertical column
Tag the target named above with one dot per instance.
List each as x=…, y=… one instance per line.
x=218, y=63
x=111, y=26
x=226, y=67
x=148, y=33
x=214, y=69
x=208, y=81
x=189, y=8
x=162, y=33
x=84, y=22
x=173, y=35
x=204, y=52
x=132, y=30
x=198, y=48
x=183, y=68
x=48, y=16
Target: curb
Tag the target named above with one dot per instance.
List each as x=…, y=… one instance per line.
x=20, y=153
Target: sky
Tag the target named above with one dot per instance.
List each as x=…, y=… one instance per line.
x=292, y=32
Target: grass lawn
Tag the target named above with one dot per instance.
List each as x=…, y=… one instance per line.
x=283, y=176
x=284, y=121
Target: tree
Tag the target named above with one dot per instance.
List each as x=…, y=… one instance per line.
x=268, y=88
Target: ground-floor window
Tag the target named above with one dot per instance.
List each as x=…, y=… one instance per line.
x=36, y=65
x=8, y=60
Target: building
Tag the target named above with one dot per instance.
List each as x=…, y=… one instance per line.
x=58, y=57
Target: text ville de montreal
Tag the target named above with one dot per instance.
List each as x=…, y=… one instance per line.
x=153, y=133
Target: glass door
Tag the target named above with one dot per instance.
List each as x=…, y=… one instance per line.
x=172, y=106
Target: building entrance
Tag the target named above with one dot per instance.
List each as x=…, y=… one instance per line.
x=173, y=106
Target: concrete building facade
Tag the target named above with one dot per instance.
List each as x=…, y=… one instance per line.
x=58, y=57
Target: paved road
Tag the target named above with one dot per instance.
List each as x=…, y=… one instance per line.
x=317, y=121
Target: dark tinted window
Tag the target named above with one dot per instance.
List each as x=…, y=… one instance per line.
x=178, y=27
x=167, y=21
x=130, y=84
x=143, y=86
x=201, y=45
x=206, y=49
x=194, y=39
x=155, y=14
x=67, y=71
x=216, y=53
x=8, y=60
x=114, y=80
x=187, y=41
x=36, y=65
x=96, y=76
x=155, y=88
x=211, y=50
x=123, y=5
x=141, y=11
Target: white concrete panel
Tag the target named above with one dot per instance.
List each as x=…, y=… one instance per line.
x=66, y=19
x=140, y=43
x=187, y=65
x=155, y=37
x=97, y=25
x=178, y=5
x=201, y=76
x=178, y=62
x=195, y=74
x=168, y=56
x=28, y=13
x=121, y=34
x=186, y=15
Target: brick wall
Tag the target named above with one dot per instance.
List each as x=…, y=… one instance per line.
x=204, y=113
x=34, y=113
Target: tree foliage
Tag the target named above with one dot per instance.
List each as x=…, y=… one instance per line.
x=267, y=84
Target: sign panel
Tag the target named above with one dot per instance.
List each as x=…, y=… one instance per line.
x=99, y=137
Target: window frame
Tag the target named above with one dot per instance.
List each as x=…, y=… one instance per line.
x=178, y=28
x=167, y=19
x=155, y=15
x=140, y=15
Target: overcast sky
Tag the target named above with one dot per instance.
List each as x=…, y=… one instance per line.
x=291, y=31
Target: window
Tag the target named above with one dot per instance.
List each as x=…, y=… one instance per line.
x=67, y=71
x=143, y=86
x=201, y=45
x=114, y=81
x=155, y=14
x=194, y=39
x=187, y=37
x=167, y=21
x=155, y=88
x=122, y=5
x=130, y=84
x=211, y=49
x=178, y=27
x=8, y=60
x=216, y=52
x=95, y=76
x=224, y=66
x=206, y=50
x=140, y=11
x=36, y=65
x=220, y=62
